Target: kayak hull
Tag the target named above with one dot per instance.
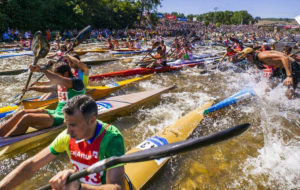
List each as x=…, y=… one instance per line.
x=108, y=109
x=96, y=92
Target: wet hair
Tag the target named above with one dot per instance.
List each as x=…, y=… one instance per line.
x=61, y=68
x=77, y=57
x=64, y=47
x=287, y=49
x=83, y=103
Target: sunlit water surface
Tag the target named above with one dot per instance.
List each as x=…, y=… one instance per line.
x=266, y=157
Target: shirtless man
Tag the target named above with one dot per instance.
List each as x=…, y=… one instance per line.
x=286, y=67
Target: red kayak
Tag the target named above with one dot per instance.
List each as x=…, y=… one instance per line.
x=145, y=71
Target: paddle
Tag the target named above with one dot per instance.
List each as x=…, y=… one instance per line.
x=159, y=152
x=82, y=35
x=40, y=47
x=153, y=47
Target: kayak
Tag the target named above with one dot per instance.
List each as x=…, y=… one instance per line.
x=108, y=109
x=138, y=174
x=129, y=52
x=88, y=62
x=145, y=71
x=96, y=92
x=15, y=49
x=82, y=52
x=15, y=55
x=99, y=61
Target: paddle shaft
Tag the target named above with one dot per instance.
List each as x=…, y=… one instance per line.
x=28, y=79
x=159, y=152
x=36, y=60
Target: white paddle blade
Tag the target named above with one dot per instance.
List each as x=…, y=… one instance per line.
x=297, y=18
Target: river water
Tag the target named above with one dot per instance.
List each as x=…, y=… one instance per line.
x=265, y=157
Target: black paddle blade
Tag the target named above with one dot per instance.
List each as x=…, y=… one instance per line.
x=83, y=35
x=40, y=46
x=155, y=45
x=195, y=39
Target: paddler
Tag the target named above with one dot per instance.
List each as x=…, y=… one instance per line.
x=86, y=141
x=79, y=69
x=110, y=45
x=160, y=59
x=231, y=55
x=286, y=67
x=67, y=87
x=287, y=50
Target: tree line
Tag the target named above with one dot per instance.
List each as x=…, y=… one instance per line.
x=221, y=17
x=70, y=14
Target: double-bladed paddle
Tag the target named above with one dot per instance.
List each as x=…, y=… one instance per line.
x=82, y=35
x=150, y=50
x=40, y=47
x=159, y=152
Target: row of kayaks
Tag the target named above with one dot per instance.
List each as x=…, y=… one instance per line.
x=102, y=91
x=79, y=52
x=113, y=107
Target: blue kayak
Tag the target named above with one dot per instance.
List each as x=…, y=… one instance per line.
x=15, y=55
x=15, y=49
x=241, y=95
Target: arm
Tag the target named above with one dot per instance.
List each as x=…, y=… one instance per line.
x=42, y=83
x=223, y=57
x=114, y=178
x=81, y=65
x=26, y=169
x=44, y=89
x=53, y=77
x=288, y=69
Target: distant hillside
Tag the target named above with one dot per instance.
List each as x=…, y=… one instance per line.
x=283, y=21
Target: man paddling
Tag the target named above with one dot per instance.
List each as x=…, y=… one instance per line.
x=86, y=141
x=67, y=87
x=79, y=69
x=286, y=67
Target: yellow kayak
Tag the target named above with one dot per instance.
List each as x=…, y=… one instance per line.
x=82, y=52
x=140, y=173
x=108, y=109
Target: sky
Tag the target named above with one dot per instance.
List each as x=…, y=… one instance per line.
x=260, y=8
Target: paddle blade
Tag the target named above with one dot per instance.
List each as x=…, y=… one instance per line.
x=155, y=45
x=83, y=35
x=195, y=39
x=40, y=46
x=297, y=18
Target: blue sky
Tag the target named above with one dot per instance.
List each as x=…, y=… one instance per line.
x=261, y=8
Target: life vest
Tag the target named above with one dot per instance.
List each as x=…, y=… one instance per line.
x=268, y=71
x=79, y=74
x=230, y=53
x=84, y=154
x=238, y=48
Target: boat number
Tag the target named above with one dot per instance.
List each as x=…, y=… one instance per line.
x=103, y=106
x=112, y=85
x=152, y=143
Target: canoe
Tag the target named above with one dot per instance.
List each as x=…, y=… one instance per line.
x=96, y=92
x=15, y=49
x=88, y=62
x=99, y=61
x=82, y=52
x=145, y=71
x=129, y=52
x=138, y=174
x=15, y=55
x=108, y=109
